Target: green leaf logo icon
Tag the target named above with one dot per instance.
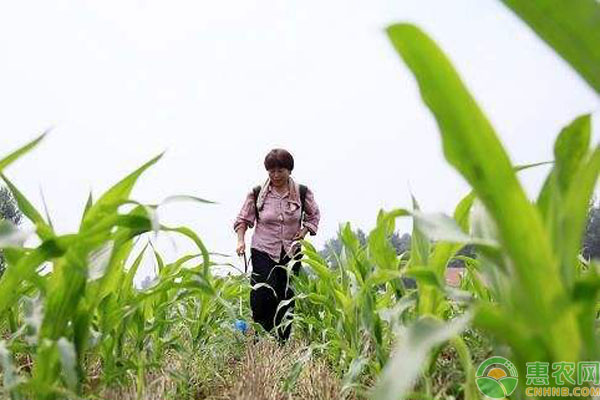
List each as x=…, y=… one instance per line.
x=497, y=377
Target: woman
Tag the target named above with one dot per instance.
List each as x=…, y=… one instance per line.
x=281, y=220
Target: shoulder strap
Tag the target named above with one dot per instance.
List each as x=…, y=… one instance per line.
x=302, y=198
x=256, y=191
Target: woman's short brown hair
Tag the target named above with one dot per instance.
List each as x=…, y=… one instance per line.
x=279, y=158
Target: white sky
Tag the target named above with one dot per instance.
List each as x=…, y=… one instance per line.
x=218, y=84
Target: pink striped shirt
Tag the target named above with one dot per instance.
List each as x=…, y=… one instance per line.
x=278, y=221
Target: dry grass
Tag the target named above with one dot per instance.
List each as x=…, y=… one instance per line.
x=159, y=384
x=266, y=372
x=244, y=370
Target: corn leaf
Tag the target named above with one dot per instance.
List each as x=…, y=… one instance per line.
x=9, y=159
x=571, y=27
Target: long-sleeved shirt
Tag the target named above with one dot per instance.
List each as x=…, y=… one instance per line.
x=278, y=221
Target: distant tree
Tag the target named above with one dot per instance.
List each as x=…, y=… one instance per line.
x=401, y=243
x=10, y=212
x=591, y=239
x=362, y=238
x=333, y=247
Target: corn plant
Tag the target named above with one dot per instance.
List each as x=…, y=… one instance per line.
x=528, y=287
x=545, y=308
x=356, y=309
x=83, y=298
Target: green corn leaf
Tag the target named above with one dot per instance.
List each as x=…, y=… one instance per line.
x=109, y=202
x=22, y=271
x=420, y=245
x=420, y=255
x=470, y=387
x=66, y=288
x=179, y=198
x=320, y=268
x=570, y=149
x=547, y=199
x=571, y=27
x=381, y=251
x=565, y=196
x=523, y=167
x=46, y=212
x=425, y=276
x=463, y=211
x=196, y=239
x=472, y=147
x=6, y=161
x=82, y=331
x=381, y=276
x=160, y=264
x=585, y=295
x=46, y=369
x=412, y=350
x=573, y=215
x=88, y=205
x=475, y=284
x=450, y=235
x=114, y=273
x=356, y=258
x=44, y=230
x=127, y=286
x=439, y=227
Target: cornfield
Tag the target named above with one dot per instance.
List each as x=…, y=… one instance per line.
x=75, y=326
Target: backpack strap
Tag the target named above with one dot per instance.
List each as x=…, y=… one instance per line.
x=256, y=191
x=302, y=199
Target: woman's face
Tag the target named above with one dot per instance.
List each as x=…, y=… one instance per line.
x=279, y=176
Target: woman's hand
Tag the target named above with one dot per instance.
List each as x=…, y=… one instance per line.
x=301, y=233
x=241, y=247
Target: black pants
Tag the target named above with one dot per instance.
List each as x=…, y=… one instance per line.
x=265, y=300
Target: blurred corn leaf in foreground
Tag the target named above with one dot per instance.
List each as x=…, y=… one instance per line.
x=540, y=313
x=571, y=27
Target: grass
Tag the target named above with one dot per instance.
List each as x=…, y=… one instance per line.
x=228, y=368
